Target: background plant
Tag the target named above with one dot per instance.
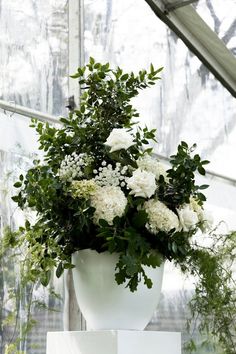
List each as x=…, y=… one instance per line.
x=20, y=301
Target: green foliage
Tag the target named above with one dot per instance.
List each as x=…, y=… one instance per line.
x=215, y=296
x=182, y=177
x=104, y=105
x=21, y=278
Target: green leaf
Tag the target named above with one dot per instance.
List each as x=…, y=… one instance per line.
x=45, y=278
x=64, y=120
x=154, y=260
x=27, y=225
x=203, y=186
x=184, y=144
x=15, y=198
x=147, y=281
x=133, y=283
x=120, y=277
x=152, y=68
x=124, y=77
x=91, y=60
x=159, y=70
x=59, y=270
x=103, y=223
x=131, y=266
x=102, y=75
x=140, y=219
x=205, y=162
x=201, y=170
x=17, y=184
x=75, y=76
x=201, y=196
x=97, y=66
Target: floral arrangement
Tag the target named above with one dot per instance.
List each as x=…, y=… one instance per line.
x=101, y=187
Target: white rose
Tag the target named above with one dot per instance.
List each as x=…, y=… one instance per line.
x=142, y=183
x=207, y=220
x=187, y=217
x=119, y=139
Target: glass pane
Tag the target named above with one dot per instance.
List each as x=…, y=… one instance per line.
x=34, y=54
x=220, y=17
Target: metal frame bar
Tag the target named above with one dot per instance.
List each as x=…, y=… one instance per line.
x=173, y=6
x=185, y=32
x=27, y=112
x=76, y=59
x=76, y=45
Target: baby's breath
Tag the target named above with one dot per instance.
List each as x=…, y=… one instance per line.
x=109, y=176
x=72, y=167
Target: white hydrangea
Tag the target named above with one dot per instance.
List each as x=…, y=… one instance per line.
x=188, y=217
x=119, y=139
x=149, y=164
x=109, y=202
x=160, y=217
x=83, y=189
x=107, y=176
x=72, y=166
x=142, y=183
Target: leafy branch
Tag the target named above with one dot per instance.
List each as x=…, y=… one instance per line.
x=213, y=304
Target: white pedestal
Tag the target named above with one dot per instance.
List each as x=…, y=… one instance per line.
x=114, y=342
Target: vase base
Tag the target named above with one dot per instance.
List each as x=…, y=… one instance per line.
x=114, y=342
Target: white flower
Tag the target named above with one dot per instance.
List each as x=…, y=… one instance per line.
x=147, y=163
x=72, y=166
x=119, y=139
x=142, y=183
x=206, y=218
x=188, y=217
x=195, y=206
x=109, y=202
x=160, y=218
x=108, y=176
x=83, y=189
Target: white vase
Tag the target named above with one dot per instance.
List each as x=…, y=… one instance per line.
x=107, y=305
